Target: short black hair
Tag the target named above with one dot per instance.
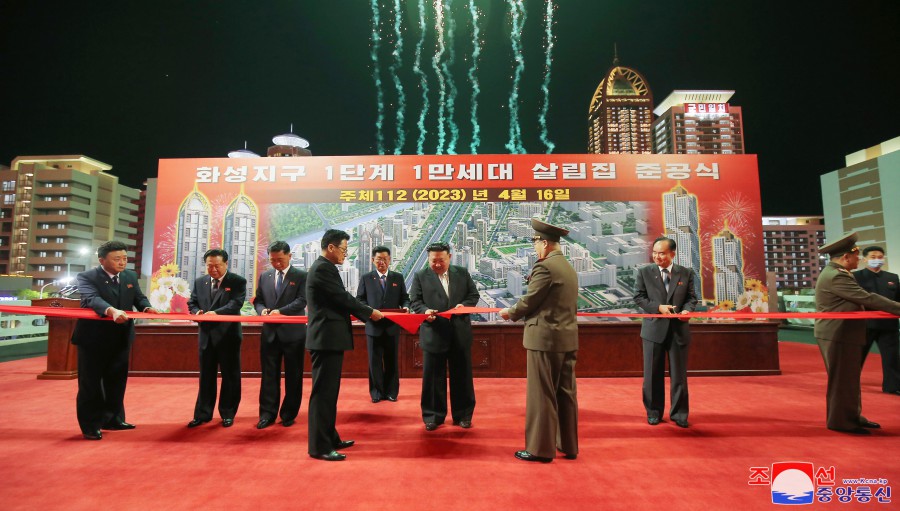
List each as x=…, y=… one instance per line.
x=664, y=238
x=334, y=237
x=216, y=252
x=438, y=247
x=280, y=246
x=110, y=246
x=873, y=249
x=379, y=249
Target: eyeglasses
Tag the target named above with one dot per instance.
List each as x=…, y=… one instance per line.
x=342, y=249
x=537, y=238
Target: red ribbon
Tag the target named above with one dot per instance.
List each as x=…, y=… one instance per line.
x=411, y=322
x=732, y=315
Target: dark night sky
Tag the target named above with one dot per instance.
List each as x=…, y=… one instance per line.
x=129, y=84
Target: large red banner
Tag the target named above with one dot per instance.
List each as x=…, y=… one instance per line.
x=614, y=204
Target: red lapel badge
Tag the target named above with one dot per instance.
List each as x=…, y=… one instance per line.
x=228, y=289
x=129, y=286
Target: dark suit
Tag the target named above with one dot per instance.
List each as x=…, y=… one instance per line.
x=662, y=336
x=883, y=331
x=328, y=335
x=383, y=336
x=104, y=347
x=550, y=309
x=445, y=342
x=842, y=341
x=220, y=344
x=281, y=341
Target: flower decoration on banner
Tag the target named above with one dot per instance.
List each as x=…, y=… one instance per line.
x=168, y=292
x=755, y=297
x=724, y=305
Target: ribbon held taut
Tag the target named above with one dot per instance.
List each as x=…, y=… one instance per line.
x=411, y=322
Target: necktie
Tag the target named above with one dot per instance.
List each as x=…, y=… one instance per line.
x=215, y=285
x=382, y=281
x=666, y=278
x=115, y=279
x=279, y=280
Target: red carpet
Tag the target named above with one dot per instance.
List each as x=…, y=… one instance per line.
x=736, y=423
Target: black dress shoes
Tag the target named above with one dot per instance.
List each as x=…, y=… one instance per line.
x=331, y=456
x=869, y=424
x=227, y=423
x=196, y=422
x=118, y=426
x=895, y=392
x=343, y=444
x=430, y=426
x=465, y=424
x=376, y=399
x=92, y=435
x=263, y=423
x=287, y=422
x=854, y=431
x=566, y=455
x=392, y=398
x=681, y=423
x=653, y=421
x=527, y=456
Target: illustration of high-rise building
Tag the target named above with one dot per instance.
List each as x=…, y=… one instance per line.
x=698, y=122
x=192, y=235
x=397, y=233
x=681, y=221
x=492, y=209
x=621, y=113
x=460, y=235
x=481, y=230
x=728, y=264
x=240, y=235
x=363, y=259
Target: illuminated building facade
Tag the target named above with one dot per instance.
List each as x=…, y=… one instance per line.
x=791, y=250
x=698, y=122
x=620, y=117
x=58, y=210
x=862, y=197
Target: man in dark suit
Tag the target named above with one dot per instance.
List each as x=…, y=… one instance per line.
x=104, y=346
x=550, y=311
x=383, y=289
x=842, y=342
x=882, y=331
x=281, y=291
x=665, y=288
x=218, y=292
x=445, y=342
x=328, y=335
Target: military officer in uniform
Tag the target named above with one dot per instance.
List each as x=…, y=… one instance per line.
x=549, y=309
x=843, y=341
